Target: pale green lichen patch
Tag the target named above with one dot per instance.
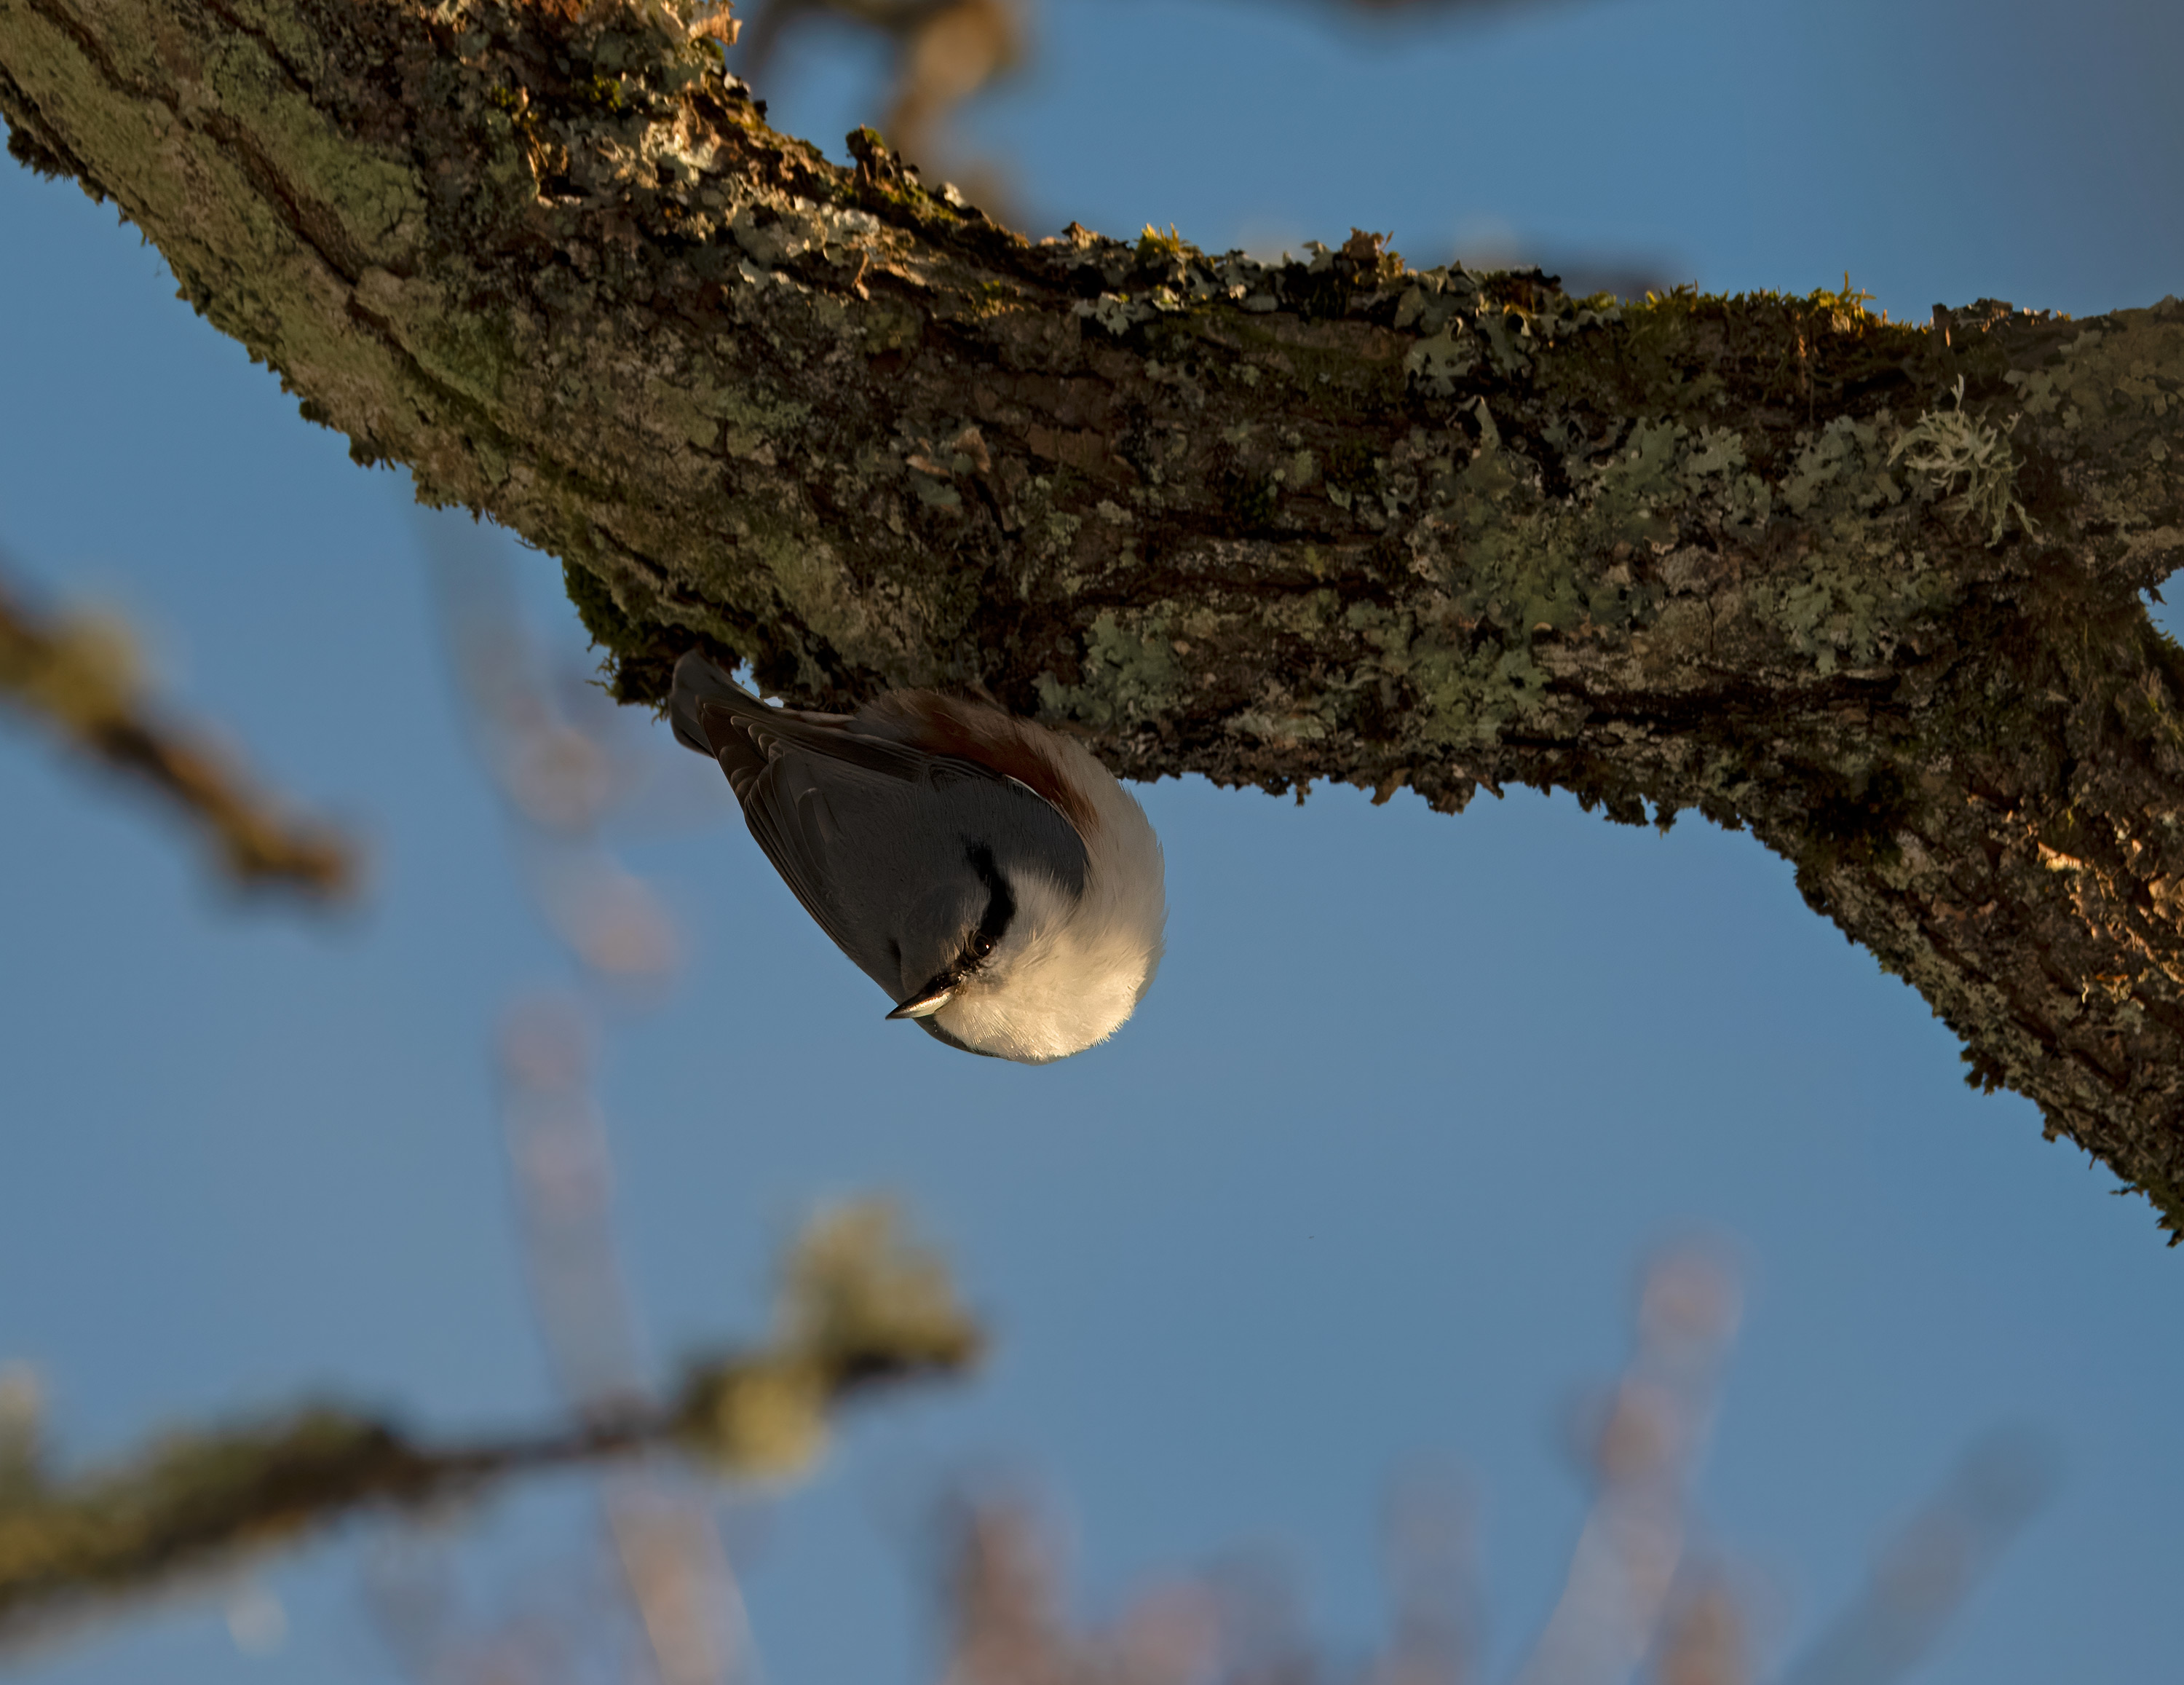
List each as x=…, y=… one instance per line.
x=1946, y=447
x=1280, y=730
x=1127, y=675
x=470, y=351
x=1850, y=610
x=1841, y=475
x=1439, y=362
x=2107, y=407
x=369, y=203
x=753, y=421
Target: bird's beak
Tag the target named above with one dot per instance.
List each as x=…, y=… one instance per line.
x=925, y=1004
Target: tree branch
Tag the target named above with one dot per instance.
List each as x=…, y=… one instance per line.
x=864, y=1308
x=76, y=677
x=1763, y=557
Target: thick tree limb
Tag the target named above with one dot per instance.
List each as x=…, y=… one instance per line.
x=1870, y=590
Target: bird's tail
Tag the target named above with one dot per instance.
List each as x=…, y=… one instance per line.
x=703, y=706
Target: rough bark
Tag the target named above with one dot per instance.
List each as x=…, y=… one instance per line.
x=1871, y=590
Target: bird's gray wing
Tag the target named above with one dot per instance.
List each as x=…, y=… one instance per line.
x=791, y=812
x=881, y=863
x=888, y=865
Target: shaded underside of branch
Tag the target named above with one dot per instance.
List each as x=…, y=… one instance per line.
x=1870, y=590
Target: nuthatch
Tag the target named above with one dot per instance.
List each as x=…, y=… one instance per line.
x=991, y=875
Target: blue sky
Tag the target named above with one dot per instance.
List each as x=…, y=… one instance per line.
x=1368, y=1179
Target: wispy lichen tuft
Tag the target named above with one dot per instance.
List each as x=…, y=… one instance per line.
x=1944, y=446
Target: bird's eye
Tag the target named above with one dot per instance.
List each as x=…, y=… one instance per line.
x=981, y=946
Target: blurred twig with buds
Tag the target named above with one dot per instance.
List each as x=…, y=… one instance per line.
x=863, y=1308
x=943, y=54
x=79, y=676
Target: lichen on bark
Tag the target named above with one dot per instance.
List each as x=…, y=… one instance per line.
x=1869, y=589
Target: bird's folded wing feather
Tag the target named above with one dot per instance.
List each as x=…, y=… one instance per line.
x=790, y=810
x=884, y=862
x=774, y=732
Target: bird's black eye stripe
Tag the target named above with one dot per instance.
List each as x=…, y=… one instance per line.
x=1001, y=905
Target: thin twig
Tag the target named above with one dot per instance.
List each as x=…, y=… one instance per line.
x=76, y=677
x=862, y=1309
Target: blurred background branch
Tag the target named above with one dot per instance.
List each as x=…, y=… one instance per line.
x=862, y=1308
x=1638, y=1602
x=1922, y=1579
x=941, y=55
x=660, y=1524
x=565, y=765
x=79, y=675
x=562, y=769
x=1642, y=1453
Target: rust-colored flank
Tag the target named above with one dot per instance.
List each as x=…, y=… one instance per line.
x=973, y=731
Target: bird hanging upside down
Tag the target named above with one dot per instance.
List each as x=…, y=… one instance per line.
x=991, y=875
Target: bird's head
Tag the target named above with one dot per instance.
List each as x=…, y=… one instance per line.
x=1053, y=974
